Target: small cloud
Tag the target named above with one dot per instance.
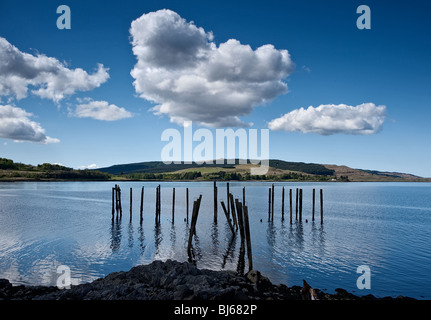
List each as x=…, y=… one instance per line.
x=305, y=68
x=15, y=124
x=363, y=119
x=100, y=110
x=91, y=166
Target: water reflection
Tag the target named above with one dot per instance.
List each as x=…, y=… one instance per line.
x=141, y=238
x=158, y=237
x=130, y=235
x=318, y=237
x=214, y=239
x=230, y=249
x=115, y=235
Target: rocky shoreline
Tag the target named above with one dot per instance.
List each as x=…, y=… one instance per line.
x=173, y=280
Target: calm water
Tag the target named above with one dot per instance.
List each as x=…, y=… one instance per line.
x=386, y=226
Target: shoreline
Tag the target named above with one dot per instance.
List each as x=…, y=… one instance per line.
x=173, y=280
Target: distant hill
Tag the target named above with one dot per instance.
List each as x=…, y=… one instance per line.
x=279, y=170
x=160, y=167
x=13, y=171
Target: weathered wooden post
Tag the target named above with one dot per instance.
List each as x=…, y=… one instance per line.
x=192, y=229
x=215, y=202
x=113, y=207
x=300, y=204
x=227, y=217
x=282, y=203
x=157, y=201
x=160, y=202
x=243, y=196
x=173, y=205
x=296, y=210
x=234, y=215
x=321, y=206
x=141, y=209
x=131, y=204
x=187, y=203
x=240, y=221
x=158, y=191
x=269, y=204
x=272, y=203
x=119, y=202
x=242, y=235
x=247, y=237
x=227, y=196
x=290, y=202
x=314, y=204
x=117, y=205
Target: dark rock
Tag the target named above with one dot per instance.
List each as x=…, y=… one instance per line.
x=172, y=280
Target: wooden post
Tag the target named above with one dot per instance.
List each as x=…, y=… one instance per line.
x=243, y=196
x=314, y=204
x=131, y=204
x=269, y=204
x=160, y=203
x=215, y=202
x=240, y=221
x=234, y=215
x=157, y=203
x=119, y=202
x=113, y=207
x=227, y=217
x=187, y=203
x=247, y=237
x=227, y=196
x=192, y=230
x=296, y=211
x=321, y=206
x=117, y=206
x=282, y=203
x=141, y=209
x=173, y=205
x=272, y=203
x=300, y=204
x=290, y=202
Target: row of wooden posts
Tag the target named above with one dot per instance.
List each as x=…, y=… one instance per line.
x=298, y=208
x=236, y=214
x=228, y=207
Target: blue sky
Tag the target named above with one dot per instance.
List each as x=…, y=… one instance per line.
x=335, y=64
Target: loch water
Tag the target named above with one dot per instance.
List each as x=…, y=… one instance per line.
x=384, y=226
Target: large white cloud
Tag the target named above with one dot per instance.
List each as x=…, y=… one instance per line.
x=327, y=119
x=46, y=76
x=189, y=77
x=15, y=124
x=100, y=110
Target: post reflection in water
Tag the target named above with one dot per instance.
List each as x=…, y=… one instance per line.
x=214, y=239
x=318, y=237
x=115, y=235
x=130, y=235
x=287, y=244
x=158, y=237
x=141, y=238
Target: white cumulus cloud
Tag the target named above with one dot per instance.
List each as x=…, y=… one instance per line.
x=46, y=76
x=190, y=77
x=100, y=110
x=15, y=124
x=327, y=119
